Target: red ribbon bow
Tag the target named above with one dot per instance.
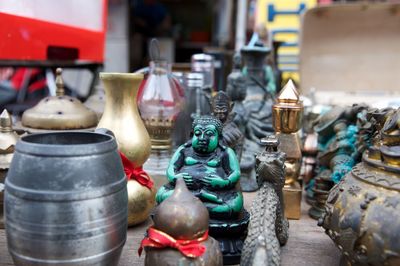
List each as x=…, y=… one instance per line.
x=158, y=239
x=136, y=173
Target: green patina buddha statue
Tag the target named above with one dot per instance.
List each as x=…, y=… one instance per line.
x=210, y=169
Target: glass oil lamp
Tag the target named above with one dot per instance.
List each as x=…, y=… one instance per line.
x=160, y=101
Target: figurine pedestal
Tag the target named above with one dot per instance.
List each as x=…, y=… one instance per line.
x=292, y=201
x=231, y=235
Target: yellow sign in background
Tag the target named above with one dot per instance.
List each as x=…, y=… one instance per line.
x=282, y=19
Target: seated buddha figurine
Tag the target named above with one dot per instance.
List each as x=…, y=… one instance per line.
x=210, y=169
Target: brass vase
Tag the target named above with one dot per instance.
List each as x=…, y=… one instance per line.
x=121, y=116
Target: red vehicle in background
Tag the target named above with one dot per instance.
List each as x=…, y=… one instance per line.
x=48, y=30
x=45, y=34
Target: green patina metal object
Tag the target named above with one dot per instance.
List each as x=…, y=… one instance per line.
x=257, y=109
x=344, y=134
x=337, y=152
x=211, y=172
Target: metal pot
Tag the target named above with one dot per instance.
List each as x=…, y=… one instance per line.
x=66, y=200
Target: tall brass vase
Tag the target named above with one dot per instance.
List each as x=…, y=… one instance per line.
x=121, y=116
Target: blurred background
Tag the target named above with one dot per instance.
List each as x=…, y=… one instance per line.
x=89, y=36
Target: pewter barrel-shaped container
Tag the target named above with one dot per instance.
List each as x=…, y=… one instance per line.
x=66, y=200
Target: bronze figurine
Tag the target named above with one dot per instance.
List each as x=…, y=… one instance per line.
x=337, y=152
x=268, y=228
x=258, y=105
x=236, y=90
x=221, y=107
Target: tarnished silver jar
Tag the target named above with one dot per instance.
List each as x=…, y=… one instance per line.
x=66, y=200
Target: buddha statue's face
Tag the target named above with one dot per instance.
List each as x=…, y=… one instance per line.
x=205, y=138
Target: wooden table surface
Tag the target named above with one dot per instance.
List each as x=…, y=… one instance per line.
x=307, y=245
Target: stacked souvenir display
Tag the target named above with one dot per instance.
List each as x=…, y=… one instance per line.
x=70, y=196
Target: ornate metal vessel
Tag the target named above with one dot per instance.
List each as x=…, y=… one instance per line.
x=8, y=139
x=184, y=218
x=363, y=210
x=59, y=112
x=121, y=116
x=66, y=200
x=287, y=115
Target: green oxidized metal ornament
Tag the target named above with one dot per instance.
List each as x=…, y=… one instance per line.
x=211, y=172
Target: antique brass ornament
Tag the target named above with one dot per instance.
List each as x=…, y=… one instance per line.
x=268, y=228
x=59, y=112
x=121, y=116
x=184, y=218
x=287, y=115
x=8, y=139
x=160, y=130
x=363, y=210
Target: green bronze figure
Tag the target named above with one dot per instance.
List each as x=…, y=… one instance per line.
x=260, y=91
x=337, y=152
x=211, y=172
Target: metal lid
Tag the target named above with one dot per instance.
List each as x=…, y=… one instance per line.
x=59, y=112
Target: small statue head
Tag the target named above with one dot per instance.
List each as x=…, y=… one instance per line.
x=237, y=61
x=270, y=164
x=206, y=132
x=221, y=106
